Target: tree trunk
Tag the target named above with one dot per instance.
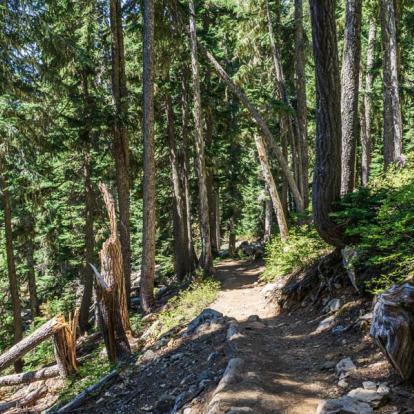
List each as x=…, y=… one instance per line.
x=274, y=194
x=28, y=377
x=182, y=258
x=89, y=245
x=148, y=234
x=366, y=142
x=25, y=345
x=206, y=255
x=232, y=238
x=218, y=220
x=31, y=274
x=121, y=144
x=11, y=267
x=301, y=109
x=327, y=175
x=186, y=167
x=65, y=351
x=349, y=93
x=268, y=217
x=267, y=135
x=392, y=107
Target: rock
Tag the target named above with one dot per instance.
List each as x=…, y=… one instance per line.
x=383, y=388
x=333, y=305
x=369, y=385
x=165, y=403
x=325, y=325
x=344, y=367
x=368, y=396
x=343, y=384
x=344, y=405
x=148, y=356
x=253, y=318
x=205, y=315
x=338, y=330
x=239, y=410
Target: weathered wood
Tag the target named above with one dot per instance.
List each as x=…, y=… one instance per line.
x=28, y=377
x=393, y=327
x=28, y=399
x=65, y=351
x=26, y=344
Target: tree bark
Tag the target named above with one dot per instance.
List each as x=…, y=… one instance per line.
x=232, y=238
x=265, y=131
x=148, y=237
x=366, y=141
x=206, y=255
x=349, y=93
x=327, y=175
x=182, y=258
x=186, y=166
x=11, y=267
x=392, y=108
x=274, y=194
x=89, y=245
x=301, y=108
x=268, y=217
x=65, y=351
x=28, y=377
x=25, y=345
x=121, y=142
x=31, y=274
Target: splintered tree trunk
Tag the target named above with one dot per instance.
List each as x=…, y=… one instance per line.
x=301, y=109
x=392, y=108
x=270, y=182
x=21, y=348
x=186, y=166
x=112, y=268
x=87, y=276
x=182, y=257
x=261, y=123
x=206, y=255
x=11, y=267
x=366, y=141
x=148, y=234
x=327, y=175
x=121, y=142
x=65, y=351
x=392, y=327
x=349, y=93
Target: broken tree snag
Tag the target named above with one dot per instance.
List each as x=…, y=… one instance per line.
x=112, y=268
x=28, y=377
x=393, y=327
x=65, y=351
x=26, y=344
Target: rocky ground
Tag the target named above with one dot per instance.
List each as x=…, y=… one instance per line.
x=243, y=356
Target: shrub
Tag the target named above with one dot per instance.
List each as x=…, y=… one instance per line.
x=303, y=247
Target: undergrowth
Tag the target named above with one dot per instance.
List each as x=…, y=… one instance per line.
x=303, y=247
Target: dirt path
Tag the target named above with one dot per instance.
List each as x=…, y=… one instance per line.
x=240, y=294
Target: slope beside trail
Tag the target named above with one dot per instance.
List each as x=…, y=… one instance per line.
x=287, y=367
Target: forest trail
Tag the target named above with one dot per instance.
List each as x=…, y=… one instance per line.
x=240, y=295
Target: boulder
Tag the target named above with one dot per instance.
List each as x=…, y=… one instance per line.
x=344, y=367
x=344, y=405
x=205, y=316
x=371, y=397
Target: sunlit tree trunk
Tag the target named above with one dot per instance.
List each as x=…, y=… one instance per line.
x=392, y=108
x=349, y=93
x=327, y=175
x=148, y=234
x=11, y=266
x=121, y=144
x=366, y=141
x=301, y=108
x=206, y=256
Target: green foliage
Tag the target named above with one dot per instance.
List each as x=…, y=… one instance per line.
x=303, y=248
x=188, y=304
x=380, y=223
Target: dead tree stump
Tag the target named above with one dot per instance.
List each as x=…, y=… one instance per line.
x=393, y=327
x=65, y=351
x=110, y=291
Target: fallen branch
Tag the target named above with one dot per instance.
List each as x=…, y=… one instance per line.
x=28, y=399
x=28, y=377
x=27, y=344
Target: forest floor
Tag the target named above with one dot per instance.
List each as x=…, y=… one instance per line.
x=287, y=366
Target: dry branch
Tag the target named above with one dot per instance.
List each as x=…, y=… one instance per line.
x=26, y=344
x=28, y=399
x=28, y=377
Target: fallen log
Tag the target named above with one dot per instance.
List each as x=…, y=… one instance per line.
x=28, y=377
x=26, y=400
x=392, y=327
x=18, y=350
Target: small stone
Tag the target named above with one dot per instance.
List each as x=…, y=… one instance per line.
x=253, y=318
x=367, y=396
x=345, y=366
x=383, y=388
x=369, y=385
x=148, y=355
x=344, y=405
x=205, y=315
x=326, y=325
x=343, y=384
x=333, y=305
x=328, y=365
x=338, y=330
